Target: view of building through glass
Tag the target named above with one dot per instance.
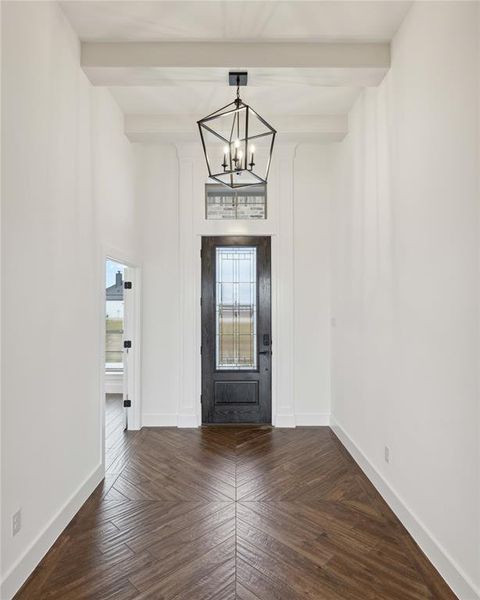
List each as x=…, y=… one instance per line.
x=248, y=203
x=114, y=315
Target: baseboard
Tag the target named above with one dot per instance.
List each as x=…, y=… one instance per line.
x=187, y=421
x=159, y=420
x=19, y=573
x=284, y=421
x=460, y=583
x=169, y=420
x=312, y=419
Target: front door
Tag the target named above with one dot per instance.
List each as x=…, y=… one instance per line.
x=236, y=330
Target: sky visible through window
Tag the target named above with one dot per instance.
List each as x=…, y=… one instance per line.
x=111, y=270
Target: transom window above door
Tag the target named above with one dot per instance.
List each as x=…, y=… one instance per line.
x=223, y=203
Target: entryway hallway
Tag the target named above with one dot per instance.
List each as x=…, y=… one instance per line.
x=247, y=513
x=257, y=223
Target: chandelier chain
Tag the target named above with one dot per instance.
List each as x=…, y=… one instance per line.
x=238, y=90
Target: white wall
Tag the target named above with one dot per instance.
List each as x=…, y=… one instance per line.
x=405, y=298
x=114, y=172
x=157, y=194
x=172, y=221
x=312, y=199
x=67, y=190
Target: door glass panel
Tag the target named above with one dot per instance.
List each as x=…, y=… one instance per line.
x=236, y=308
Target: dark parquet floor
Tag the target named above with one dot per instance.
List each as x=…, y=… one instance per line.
x=233, y=513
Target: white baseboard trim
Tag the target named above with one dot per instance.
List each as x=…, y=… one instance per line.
x=187, y=421
x=21, y=570
x=312, y=419
x=284, y=421
x=302, y=420
x=169, y=420
x=159, y=420
x=460, y=583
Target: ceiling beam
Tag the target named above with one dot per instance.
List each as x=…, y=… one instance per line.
x=171, y=63
x=166, y=128
x=234, y=55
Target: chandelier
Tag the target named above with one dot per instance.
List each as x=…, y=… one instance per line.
x=237, y=142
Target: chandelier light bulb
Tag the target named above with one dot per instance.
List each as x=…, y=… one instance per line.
x=237, y=143
x=225, y=157
x=251, y=164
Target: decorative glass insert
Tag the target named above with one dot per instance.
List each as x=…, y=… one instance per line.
x=244, y=203
x=236, y=308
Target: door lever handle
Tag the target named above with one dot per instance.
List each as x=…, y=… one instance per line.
x=265, y=352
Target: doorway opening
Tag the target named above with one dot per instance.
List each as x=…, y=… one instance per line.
x=121, y=359
x=236, y=330
x=115, y=372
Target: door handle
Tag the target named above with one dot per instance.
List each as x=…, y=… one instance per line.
x=265, y=352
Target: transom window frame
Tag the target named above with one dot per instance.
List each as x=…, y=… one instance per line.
x=217, y=190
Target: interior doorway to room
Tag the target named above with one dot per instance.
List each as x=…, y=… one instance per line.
x=236, y=330
x=116, y=358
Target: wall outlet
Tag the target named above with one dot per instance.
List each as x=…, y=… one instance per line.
x=17, y=522
x=387, y=454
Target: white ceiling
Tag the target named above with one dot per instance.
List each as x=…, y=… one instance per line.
x=241, y=21
x=236, y=20
x=199, y=100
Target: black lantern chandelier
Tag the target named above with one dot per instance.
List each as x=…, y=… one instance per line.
x=237, y=142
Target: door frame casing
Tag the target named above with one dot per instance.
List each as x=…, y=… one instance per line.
x=197, y=340
x=260, y=241
x=134, y=414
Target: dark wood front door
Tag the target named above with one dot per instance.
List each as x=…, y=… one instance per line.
x=236, y=330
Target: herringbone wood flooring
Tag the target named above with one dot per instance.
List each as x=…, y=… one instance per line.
x=250, y=513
